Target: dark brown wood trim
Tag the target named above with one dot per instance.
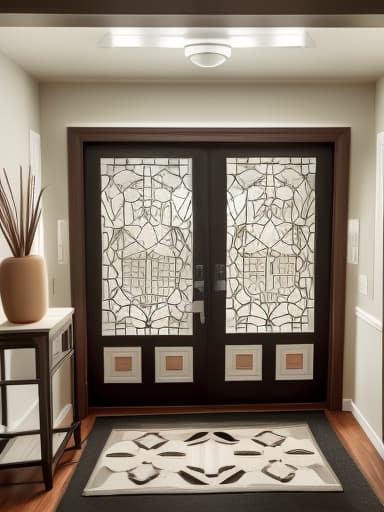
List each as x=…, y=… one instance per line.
x=340, y=137
x=197, y=7
x=199, y=409
x=77, y=256
x=3, y=390
x=33, y=19
x=84, y=134
x=338, y=273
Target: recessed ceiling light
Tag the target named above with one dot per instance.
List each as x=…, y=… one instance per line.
x=206, y=47
x=179, y=37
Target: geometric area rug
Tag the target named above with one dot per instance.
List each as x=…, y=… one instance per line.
x=356, y=494
x=256, y=458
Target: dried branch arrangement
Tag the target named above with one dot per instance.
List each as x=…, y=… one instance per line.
x=18, y=223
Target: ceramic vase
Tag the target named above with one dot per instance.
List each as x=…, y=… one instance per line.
x=23, y=288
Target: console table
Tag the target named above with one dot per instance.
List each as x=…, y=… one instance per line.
x=37, y=388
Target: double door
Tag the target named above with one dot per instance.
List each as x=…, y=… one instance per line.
x=208, y=272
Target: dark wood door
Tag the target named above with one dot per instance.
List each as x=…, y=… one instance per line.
x=146, y=250
x=270, y=265
x=208, y=271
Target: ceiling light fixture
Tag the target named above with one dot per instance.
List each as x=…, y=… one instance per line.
x=206, y=47
x=207, y=55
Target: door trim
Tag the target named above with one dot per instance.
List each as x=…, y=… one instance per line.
x=339, y=137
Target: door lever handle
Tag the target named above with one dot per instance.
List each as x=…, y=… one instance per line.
x=198, y=282
x=198, y=307
x=220, y=278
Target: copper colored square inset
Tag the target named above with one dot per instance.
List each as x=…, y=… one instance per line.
x=173, y=363
x=123, y=364
x=294, y=361
x=244, y=361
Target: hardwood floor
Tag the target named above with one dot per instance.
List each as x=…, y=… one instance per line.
x=18, y=496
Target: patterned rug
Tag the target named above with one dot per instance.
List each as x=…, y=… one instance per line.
x=268, y=457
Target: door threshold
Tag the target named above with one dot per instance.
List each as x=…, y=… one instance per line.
x=201, y=409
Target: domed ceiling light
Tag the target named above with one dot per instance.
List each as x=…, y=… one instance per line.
x=207, y=55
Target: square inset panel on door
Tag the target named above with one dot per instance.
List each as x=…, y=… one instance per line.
x=122, y=364
x=294, y=362
x=173, y=364
x=243, y=362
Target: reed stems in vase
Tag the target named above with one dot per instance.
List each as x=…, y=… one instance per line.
x=18, y=223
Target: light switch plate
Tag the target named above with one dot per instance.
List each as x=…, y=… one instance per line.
x=62, y=236
x=353, y=241
x=363, y=284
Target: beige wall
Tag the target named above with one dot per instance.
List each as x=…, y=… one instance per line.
x=379, y=236
x=380, y=105
x=19, y=112
x=19, y=107
x=353, y=105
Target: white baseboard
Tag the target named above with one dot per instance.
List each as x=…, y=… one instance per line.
x=64, y=418
x=349, y=405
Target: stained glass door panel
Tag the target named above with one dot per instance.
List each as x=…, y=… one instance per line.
x=146, y=247
x=270, y=244
x=147, y=236
x=270, y=253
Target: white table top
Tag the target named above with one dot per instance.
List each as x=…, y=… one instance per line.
x=54, y=317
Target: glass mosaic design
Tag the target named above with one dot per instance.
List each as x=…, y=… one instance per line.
x=270, y=244
x=146, y=224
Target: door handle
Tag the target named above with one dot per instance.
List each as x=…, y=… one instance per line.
x=198, y=282
x=198, y=307
x=220, y=277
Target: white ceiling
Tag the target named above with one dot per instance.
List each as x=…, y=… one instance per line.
x=67, y=54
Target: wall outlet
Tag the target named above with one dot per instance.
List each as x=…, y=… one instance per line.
x=363, y=284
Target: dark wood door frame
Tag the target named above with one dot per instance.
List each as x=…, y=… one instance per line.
x=339, y=137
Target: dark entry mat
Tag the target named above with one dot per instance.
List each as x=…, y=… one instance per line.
x=357, y=495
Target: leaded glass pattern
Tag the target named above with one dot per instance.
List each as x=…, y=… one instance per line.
x=146, y=224
x=270, y=244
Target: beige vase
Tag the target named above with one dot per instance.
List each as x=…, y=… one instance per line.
x=23, y=288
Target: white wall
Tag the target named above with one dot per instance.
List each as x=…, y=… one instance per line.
x=379, y=227
x=353, y=105
x=19, y=112
x=368, y=354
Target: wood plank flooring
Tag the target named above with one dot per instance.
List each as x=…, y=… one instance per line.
x=18, y=496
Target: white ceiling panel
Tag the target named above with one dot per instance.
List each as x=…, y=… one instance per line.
x=68, y=54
